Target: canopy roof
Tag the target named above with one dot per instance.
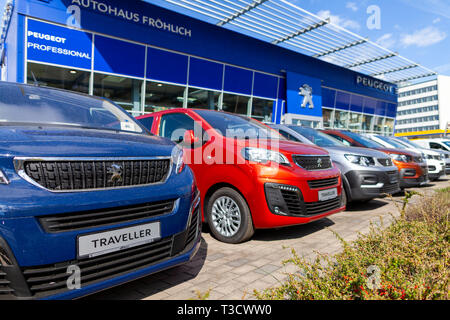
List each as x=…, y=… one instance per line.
x=287, y=25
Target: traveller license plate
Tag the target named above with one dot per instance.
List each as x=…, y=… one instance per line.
x=98, y=244
x=328, y=194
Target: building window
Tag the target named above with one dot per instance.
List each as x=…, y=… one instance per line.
x=56, y=77
x=389, y=126
x=378, y=124
x=340, y=119
x=355, y=122
x=160, y=96
x=367, y=123
x=235, y=104
x=126, y=92
x=327, y=115
x=203, y=99
x=262, y=109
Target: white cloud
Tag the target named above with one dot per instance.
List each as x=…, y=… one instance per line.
x=388, y=41
x=438, y=7
x=423, y=38
x=352, y=6
x=342, y=22
x=437, y=20
x=443, y=69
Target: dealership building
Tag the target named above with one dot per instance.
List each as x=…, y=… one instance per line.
x=266, y=59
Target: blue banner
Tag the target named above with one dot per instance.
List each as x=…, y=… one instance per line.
x=58, y=45
x=304, y=95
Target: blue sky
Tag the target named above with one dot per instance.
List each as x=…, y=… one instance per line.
x=417, y=29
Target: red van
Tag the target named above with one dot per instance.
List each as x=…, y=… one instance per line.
x=248, y=175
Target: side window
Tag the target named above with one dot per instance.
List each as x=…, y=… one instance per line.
x=434, y=145
x=147, y=122
x=174, y=125
x=289, y=136
x=342, y=140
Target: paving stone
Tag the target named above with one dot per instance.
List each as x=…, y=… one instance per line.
x=232, y=272
x=238, y=262
x=267, y=269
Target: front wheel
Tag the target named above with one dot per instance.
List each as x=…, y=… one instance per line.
x=229, y=217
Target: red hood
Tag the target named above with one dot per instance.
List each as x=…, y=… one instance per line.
x=284, y=146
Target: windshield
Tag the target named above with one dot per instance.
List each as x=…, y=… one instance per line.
x=318, y=138
x=236, y=126
x=363, y=140
x=392, y=142
x=409, y=143
x=447, y=143
x=27, y=105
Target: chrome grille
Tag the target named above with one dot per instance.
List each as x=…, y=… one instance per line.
x=68, y=175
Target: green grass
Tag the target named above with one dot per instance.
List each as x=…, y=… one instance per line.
x=411, y=257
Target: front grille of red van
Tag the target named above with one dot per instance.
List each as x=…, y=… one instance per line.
x=324, y=183
x=297, y=207
x=313, y=163
x=82, y=175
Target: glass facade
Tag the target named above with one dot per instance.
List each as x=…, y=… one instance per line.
x=161, y=96
x=349, y=111
x=124, y=91
x=58, y=77
x=158, y=79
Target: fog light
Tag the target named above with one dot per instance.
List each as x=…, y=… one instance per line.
x=275, y=197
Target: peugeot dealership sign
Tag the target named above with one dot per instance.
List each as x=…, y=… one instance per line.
x=307, y=92
x=375, y=84
x=103, y=7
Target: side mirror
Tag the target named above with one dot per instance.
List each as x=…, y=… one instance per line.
x=190, y=138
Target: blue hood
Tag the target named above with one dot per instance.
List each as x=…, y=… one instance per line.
x=57, y=142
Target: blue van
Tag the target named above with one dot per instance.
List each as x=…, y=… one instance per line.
x=88, y=198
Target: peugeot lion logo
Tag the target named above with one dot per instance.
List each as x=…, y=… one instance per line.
x=306, y=91
x=319, y=163
x=116, y=171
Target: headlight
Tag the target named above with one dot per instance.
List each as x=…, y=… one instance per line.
x=177, y=156
x=3, y=178
x=360, y=160
x=400, y=157
x=264, y=156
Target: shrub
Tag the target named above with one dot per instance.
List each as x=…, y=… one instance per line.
x=409, y=260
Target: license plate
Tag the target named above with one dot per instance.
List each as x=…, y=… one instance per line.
x=98, y=244
x=393, y=180
x=328, y=194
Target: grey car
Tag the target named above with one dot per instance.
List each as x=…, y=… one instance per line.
x=366, y=173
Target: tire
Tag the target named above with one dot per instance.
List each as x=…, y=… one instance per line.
x=344, y=197
x=229, y=216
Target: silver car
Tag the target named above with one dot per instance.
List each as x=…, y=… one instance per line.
x=366, y=173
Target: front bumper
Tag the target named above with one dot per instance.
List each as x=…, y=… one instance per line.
x=366, y=185
x=98, y=273
x=295, y=200
x=34, y=259
x=436, y=176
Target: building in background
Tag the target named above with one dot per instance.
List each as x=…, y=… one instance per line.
x=424, y=109
x=148, y=58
